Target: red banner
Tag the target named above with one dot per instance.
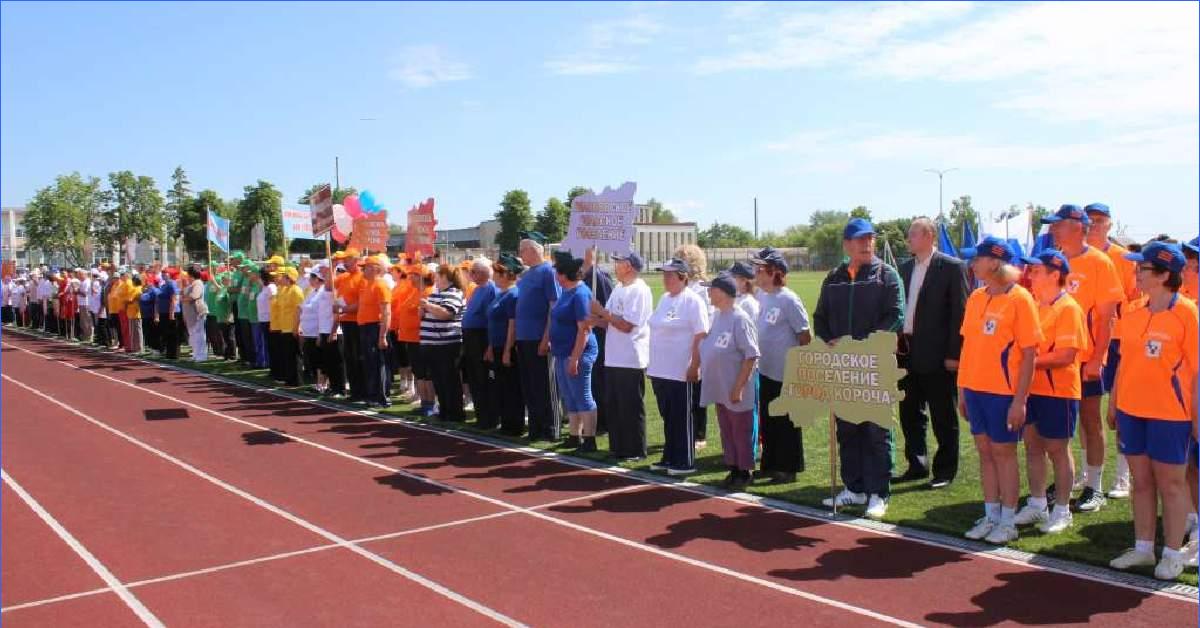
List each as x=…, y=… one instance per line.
x=370, y=233
x=321, y=206
x=422, y=230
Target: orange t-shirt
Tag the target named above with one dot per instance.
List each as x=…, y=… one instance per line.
x=1126, y=272
x=408, y=329
x=348, y=287
x=1093, y=281
x=399, y=294
x=995, y=329
x=1062, y=328
x=1158, y=361
x=373, y=296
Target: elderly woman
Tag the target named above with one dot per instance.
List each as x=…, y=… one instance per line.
x=747, y=289
x=574, y=348
x=677, y=326
x=728, y=355
x=475, y=338
x=287, y=304
x=420, y=278
x=195, y=313
x=505, y=403
x=697, y=263
x=441, y=341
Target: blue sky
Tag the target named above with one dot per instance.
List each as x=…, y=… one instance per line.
x=805, y=105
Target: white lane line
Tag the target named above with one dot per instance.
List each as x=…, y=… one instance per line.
x=307, y=525
x=603, y=535
x=107, y=576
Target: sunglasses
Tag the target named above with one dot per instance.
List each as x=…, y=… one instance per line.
x=1149, y=268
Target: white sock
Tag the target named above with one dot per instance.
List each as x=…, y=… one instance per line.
x=1122, y=468
x=1191, y=520
x=1060, y=510
x=1037, y=503
x=1094, y=475
x=1169, y=552
x=991, y=510
x=1146, y=547
x=1006, y=516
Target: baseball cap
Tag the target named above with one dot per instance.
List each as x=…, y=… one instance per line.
x=1097, y=208
x=1161, y=254
x=857, y=228
x=277, y=260
x=510, y=263
x=352, y=252
x=676, y=265
x=633, y=258
x=566, y=263
x=1192, y=245
x=724, y=282
x=742, y=269
x=536, y=236
x=1067, y=212
x=770, y=255
x=990, y=246
x=1051, y=259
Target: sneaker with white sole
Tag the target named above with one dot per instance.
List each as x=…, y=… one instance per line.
x=1030, y=515
x=1170, y=567
x=845, y=498
x=1132, y=558
x=1059, y=521
x=983, y=527
x=1190, y=551
x=1001, y=534
x=681, y=472
x=1090, y=500
x=1120, y=489
x=876, y=507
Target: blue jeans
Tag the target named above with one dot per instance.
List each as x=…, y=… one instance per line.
x=260, y=345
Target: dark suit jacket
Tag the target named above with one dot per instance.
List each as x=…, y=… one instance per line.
x=939, y=312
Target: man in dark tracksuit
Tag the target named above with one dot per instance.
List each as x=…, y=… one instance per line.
x=861, y=296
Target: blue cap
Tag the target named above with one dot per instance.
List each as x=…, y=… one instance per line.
x=676, y=265
x=723, y=281
x=1068, y=212
x=742, y=269
x=1162, y=255
x=770, y=256
x=857, y=228
x=991, y=246
x=633, y=258
x=1051, y=259
x=1192, y=245
x=1098, y=208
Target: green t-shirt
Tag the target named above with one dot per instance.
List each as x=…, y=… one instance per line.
x=247, y=302
x=219, y=304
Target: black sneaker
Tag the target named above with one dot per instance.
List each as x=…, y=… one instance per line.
x=572, y=442
x=587, y=446
x=938, y=483
x=911, y=475
x=1090, y=500
x=728, y=480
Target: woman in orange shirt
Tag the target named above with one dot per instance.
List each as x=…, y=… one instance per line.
x=397, y=356
x=408, y=332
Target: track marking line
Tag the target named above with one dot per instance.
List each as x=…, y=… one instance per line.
x=307, y=525
x=107, y=576
x=528, y=511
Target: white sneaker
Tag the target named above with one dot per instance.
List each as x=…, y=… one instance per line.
x=876, y=507
x=1190, y=552
x=1030, y=515
x=1001, y=534
x=681, y=472
x=845, y=498
x=1059, y=521
x=1120, y=489
x=1132, y=558
x=1169, y=567
x=983, y=527
x=469, y=406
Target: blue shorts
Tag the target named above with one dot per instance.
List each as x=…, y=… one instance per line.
x=576, y=392
x=1054, y=417
x=1167, y=442
x=1093, y=388
x=988, y=414
x=1108, y=375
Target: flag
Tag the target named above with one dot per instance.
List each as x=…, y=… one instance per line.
x=968, y=237
x=1043, y=241
x=889, y=258
x=218, y=231
x=945, y=245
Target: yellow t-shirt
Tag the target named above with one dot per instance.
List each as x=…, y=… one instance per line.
x=995, y=329
x=133, y=308
x=285, y=308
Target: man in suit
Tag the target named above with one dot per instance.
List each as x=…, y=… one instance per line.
x=936, y=292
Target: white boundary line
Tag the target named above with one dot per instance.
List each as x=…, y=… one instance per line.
x=107, y=576
x=648, y=548
x=311, y=527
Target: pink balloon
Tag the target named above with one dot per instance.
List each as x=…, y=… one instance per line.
x=343, y=224
x=353, y=207
x=338, y=236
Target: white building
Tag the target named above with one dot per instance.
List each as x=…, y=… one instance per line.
x=655, y=242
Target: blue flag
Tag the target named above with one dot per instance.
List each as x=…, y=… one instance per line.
x=968, y=237
x=218, y=231
x=945, y=244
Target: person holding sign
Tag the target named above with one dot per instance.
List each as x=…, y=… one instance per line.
x=862, y=295
x=728, y=355
x=1000, y=339
x=1053, y=406
x=537, y=294
x=574, y=348
x=1154, y=406
x=627, y=352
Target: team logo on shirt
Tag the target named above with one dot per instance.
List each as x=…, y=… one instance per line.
x=1153, y=348
x=772, y=316
x=989, y=327
x=723, y=340
x=1073, y=285
x=671, y=315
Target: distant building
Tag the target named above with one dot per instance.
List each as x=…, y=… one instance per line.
x=13, y=230
x=458, y=244
x=656, y=241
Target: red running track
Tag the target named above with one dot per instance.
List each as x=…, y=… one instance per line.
x=211, y=504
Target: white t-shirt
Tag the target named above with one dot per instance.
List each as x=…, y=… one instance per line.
x=20, y=296
x=634, y=304
x=673, y=325
x=93, y=295
x=263, y=302
x=748, y=303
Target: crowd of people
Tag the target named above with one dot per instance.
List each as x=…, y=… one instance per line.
x=530, y=341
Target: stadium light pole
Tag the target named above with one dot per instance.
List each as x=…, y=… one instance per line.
x=940, y=174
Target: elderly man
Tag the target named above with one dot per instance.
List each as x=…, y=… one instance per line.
x=862, y=295
x=936, y=291
x=348, y=286
x=372, y=312
x=475, y=340
x=624, y=318
x=537, y=292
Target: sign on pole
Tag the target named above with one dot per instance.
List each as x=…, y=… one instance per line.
x=422, y=229
x=370, y=232
x=321, y=206
x=603, y=220
x=218, y=231
x=298, y=224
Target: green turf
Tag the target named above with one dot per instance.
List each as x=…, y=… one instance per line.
x=1094, y=538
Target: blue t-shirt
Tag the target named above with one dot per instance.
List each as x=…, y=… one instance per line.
x=502, y=309
x=538, y=288
x=573, y=306
x=476, y=314
x=147, y=301
x=166, y=290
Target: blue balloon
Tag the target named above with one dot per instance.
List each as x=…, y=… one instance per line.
x=367, y=200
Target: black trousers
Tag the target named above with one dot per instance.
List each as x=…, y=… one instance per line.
x=6, y=314
x=35, y=315
x=226, y=332
x=331, y=363
x=598, y=376
x=212, y=334
x=275, y=355
x=674, y=404
x=114, y=327
x=535, y=388
x=474, y=345
x=698, y=413
x=289, y=357
x=443, y=361
x=353, y=360
x=624, y=395
x=245, y=341
x=504, y=394
x=865, y=450
x=374, y=364
x=782, y=442
x=99, y=330
x=150, y=332
x=168, y=333
x=937, y=391
x=312, y=359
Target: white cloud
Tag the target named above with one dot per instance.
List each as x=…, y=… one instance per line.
x=607, y=46
x=422, y=66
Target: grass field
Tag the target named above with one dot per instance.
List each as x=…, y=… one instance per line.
x=1095, y=538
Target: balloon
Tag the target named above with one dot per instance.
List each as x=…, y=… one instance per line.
x=343, y=223
x=367, y=199
x=338, y=236
x=353, y=206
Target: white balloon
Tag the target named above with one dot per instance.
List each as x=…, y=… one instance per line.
x=344, y=222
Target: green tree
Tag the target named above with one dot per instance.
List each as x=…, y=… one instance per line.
x=724, y=235
x=1039, y=212
x=895, y=232
x=260, y=203
x=576, y=191
x=194, y=221
x=660, y=215
x=961, y=213
x=179, y=199
x=135, y=210
x=824, y=236
x=339, y=194
x=552, y=221
x=515, y=216
x=58, y=220
x=860, y=212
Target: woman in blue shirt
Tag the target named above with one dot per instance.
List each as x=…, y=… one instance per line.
x=506, y=405
x=148, y=303
x=574, y=349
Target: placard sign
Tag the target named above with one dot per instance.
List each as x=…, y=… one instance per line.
x=603, y=220
x=857, y=380
x=422, y=229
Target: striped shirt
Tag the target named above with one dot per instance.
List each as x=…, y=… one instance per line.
x=443, y=332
